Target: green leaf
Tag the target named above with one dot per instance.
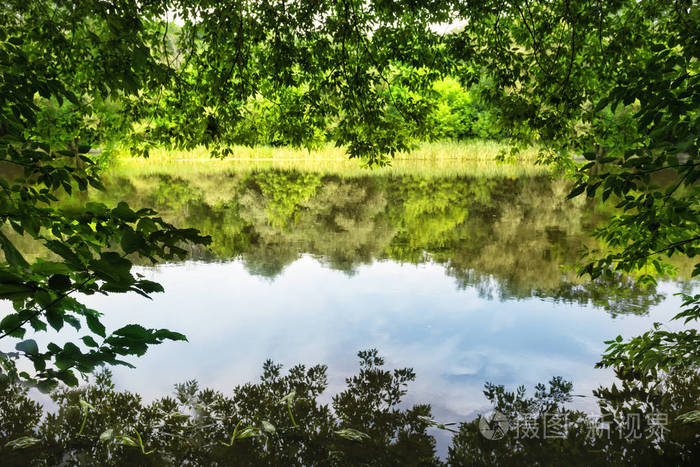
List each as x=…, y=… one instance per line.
x=55, y=318
x=67, y=377
x=127, y=441
x=98, y=209
x=60, y=282
x=48, y=268
x=149, y=286
x=29, y=347
x=7, y=276
x=39, y=364
x=64, y=252
x=89, y=341
x=133, y=331
x=107, y=435
x=146, y=225
x=15, y=291
x=10, y=324
x=124, y=213
x=268, y=427
x=85, y=405
x=95, y=325
x=12, y=256
x=113, y=268
x=46, y=386
x=37, y=324
x=23, y=442
x=132, y=241
x=248, y=432
x=44, y=298
x=576, y=191
x=352, y=434
x=171, y=335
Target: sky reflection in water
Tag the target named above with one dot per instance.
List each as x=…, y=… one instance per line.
x=457, y=277
x=415, y=315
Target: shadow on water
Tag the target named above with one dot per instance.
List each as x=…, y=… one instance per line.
x=282, y=420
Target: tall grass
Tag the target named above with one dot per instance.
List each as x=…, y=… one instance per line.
x=445, y=158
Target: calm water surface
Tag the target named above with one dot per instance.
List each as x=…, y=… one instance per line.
x=417, y=316
x=464, y=279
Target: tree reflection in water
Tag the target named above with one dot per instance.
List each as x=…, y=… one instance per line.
x=512, y=238
x=505, y=237
x=281, y=420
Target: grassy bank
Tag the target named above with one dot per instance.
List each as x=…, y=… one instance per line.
x=477, y=158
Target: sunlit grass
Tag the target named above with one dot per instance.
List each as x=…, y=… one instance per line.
x=446, y=158
x=481, y=150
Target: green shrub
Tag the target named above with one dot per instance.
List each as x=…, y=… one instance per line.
x=459, y=113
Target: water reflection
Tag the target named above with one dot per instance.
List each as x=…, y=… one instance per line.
x=510, y=238
x=281, y=420
x=465, y=279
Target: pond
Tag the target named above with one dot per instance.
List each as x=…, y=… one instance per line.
x=465, y=279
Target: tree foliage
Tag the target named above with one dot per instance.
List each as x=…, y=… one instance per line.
x=613, y=82
x=561, y=69
x=639, y=424
x=70, y=54
x=280, y=419
x=284, y=418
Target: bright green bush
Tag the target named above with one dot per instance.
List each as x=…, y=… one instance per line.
x=460, y=114
x=455, y=112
